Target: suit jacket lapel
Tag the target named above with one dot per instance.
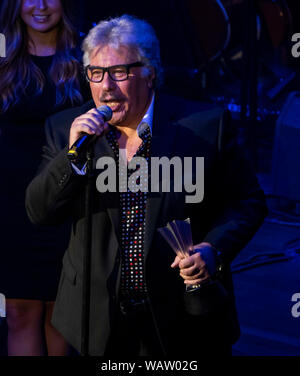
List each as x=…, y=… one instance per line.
x=111, y=199
x=103, y=149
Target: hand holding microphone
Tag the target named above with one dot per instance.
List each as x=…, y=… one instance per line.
x=86, y=128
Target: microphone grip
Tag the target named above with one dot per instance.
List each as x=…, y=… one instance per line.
x=85, y=140
x=80, y=145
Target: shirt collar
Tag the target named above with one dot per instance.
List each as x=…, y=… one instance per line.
x=147, y=120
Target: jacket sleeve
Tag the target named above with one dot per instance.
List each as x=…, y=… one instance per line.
x=50, y=194
x=241, y=202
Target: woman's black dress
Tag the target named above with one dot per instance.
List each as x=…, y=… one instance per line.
x=30, y=256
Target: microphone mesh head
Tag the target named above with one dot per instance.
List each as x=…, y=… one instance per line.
x=106, y=112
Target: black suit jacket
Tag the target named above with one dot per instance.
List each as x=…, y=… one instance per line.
x=232, y=210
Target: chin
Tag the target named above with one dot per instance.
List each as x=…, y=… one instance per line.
x=116, y=122
x=45, y=28
x=118, y=119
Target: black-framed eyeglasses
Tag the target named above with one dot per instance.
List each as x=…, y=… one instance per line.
x=116, y=72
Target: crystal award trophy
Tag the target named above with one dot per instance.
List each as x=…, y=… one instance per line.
x=178, y=235
x=206, y=297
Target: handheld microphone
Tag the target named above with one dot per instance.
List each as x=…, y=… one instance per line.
x=86, y=139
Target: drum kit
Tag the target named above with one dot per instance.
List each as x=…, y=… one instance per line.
x=218, y=46
x=218, y=24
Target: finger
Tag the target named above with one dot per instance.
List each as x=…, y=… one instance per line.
x=186, y=262
x=84, y=128
x=193, y=275
x=193, y=270
x=95, y=115
x=94, y=126
x=91, y=120
x=196, y=281
x=191, y=260
x=176, y=261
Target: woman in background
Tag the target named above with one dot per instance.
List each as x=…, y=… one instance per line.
x=40, y=75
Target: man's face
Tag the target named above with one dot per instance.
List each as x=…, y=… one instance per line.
x=128, y=99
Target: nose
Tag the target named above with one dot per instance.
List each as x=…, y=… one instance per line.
x=41, y=4
x=107, y=83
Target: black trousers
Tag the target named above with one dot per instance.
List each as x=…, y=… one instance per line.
x=134, y=333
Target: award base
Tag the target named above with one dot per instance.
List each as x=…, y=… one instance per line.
x=208, y=298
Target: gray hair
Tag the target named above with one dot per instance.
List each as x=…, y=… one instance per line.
x=126, y=31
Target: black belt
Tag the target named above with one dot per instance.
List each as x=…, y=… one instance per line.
x=130, y=306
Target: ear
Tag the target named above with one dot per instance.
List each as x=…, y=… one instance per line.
x=151, y=77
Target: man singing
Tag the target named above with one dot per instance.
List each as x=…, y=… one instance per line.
x=139, y=303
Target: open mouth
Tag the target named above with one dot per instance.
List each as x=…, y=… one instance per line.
x=40, y=18
x=115, y=106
